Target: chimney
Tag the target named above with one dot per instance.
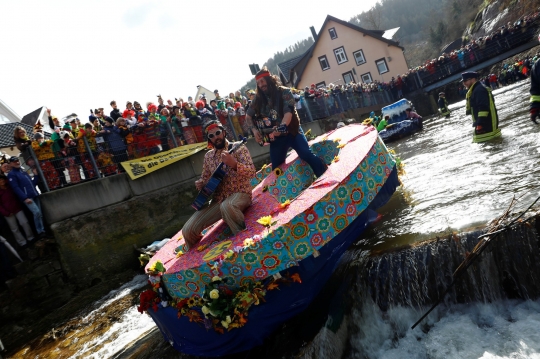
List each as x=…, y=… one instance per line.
x=313, y=33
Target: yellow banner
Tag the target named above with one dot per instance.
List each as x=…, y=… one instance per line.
x=145, y=165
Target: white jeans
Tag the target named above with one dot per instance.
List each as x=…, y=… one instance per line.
x=12, y=222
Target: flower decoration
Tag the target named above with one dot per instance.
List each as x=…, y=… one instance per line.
x=179, y=254
x=278, y=171
x=202, y=247
x=157, y=267
x=248, y=242
x=341, y=145
x=220, y=307
x=336, y=159
x=214, y=294
x=337, y=140
x=285, y=204
x=264, y=166
x=265, y=221
x=180, y=237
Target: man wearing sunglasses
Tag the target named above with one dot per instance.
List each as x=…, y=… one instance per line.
x=233, y=194
x=24, y=187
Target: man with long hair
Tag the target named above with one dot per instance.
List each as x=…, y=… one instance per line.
x=274, y=107
x=233, y=194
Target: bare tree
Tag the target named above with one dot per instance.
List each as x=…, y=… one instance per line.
x=373, y=18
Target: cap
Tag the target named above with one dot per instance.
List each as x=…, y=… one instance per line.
x=38, y=135
x=441, y=94
x=469, y=75
x=216, y=91
x=340, y=124
x=13, y=159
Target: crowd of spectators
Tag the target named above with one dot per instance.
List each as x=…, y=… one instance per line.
x=475, y=51
x=78, y=151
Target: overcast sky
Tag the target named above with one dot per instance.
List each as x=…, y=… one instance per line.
x=75, y=55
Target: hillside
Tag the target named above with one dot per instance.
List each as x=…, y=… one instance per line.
x=426, y=26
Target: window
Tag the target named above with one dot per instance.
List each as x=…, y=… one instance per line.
x=333, y=34
x=348, y=77
x=321, y=85
x=366, y=78
x=341, y=57
x=324, y=63
x=381, y=65
x=359, y=57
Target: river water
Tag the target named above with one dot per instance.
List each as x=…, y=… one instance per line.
x=450, y=184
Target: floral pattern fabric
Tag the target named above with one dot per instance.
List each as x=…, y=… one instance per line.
x=312, y=219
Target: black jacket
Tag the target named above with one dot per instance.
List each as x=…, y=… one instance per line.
x=115, y=114
x=535, y=85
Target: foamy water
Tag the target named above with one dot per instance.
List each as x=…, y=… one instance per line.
x=506, y=329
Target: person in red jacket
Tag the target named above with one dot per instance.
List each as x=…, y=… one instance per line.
x=12, y=211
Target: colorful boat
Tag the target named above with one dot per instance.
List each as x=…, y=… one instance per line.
x=399, y=125
x=231, y=292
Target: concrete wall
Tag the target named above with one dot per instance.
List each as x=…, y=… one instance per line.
x=96, y=224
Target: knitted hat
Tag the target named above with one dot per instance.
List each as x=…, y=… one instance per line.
x=128, y=112
x=68, y=127
x=152, y=107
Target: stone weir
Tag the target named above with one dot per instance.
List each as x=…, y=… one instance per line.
x=417, y=276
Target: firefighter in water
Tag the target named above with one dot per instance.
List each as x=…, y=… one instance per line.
x=443, y=105
x=534, y=106
x=481, y=105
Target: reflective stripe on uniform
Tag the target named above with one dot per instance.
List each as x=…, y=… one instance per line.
x=487, y=136
x=483, y=113
x=535, y=98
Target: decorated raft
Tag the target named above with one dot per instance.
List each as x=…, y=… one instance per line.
x=399, y=125
x=231, y=292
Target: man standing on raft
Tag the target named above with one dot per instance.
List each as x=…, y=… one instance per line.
x=233, y=194
x=274, y=107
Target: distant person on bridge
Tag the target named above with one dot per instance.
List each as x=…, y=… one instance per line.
x=534, y=107
x=481, y=105
x=443, y=105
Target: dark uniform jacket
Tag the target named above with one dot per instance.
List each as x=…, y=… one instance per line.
x=535, y=85
x=481, y=105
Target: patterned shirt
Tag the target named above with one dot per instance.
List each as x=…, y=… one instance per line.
x=235, y=181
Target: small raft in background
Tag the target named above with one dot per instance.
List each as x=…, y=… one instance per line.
x=231, y=292
x=399, y=125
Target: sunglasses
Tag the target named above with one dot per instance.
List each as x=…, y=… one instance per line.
x=211, y=135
